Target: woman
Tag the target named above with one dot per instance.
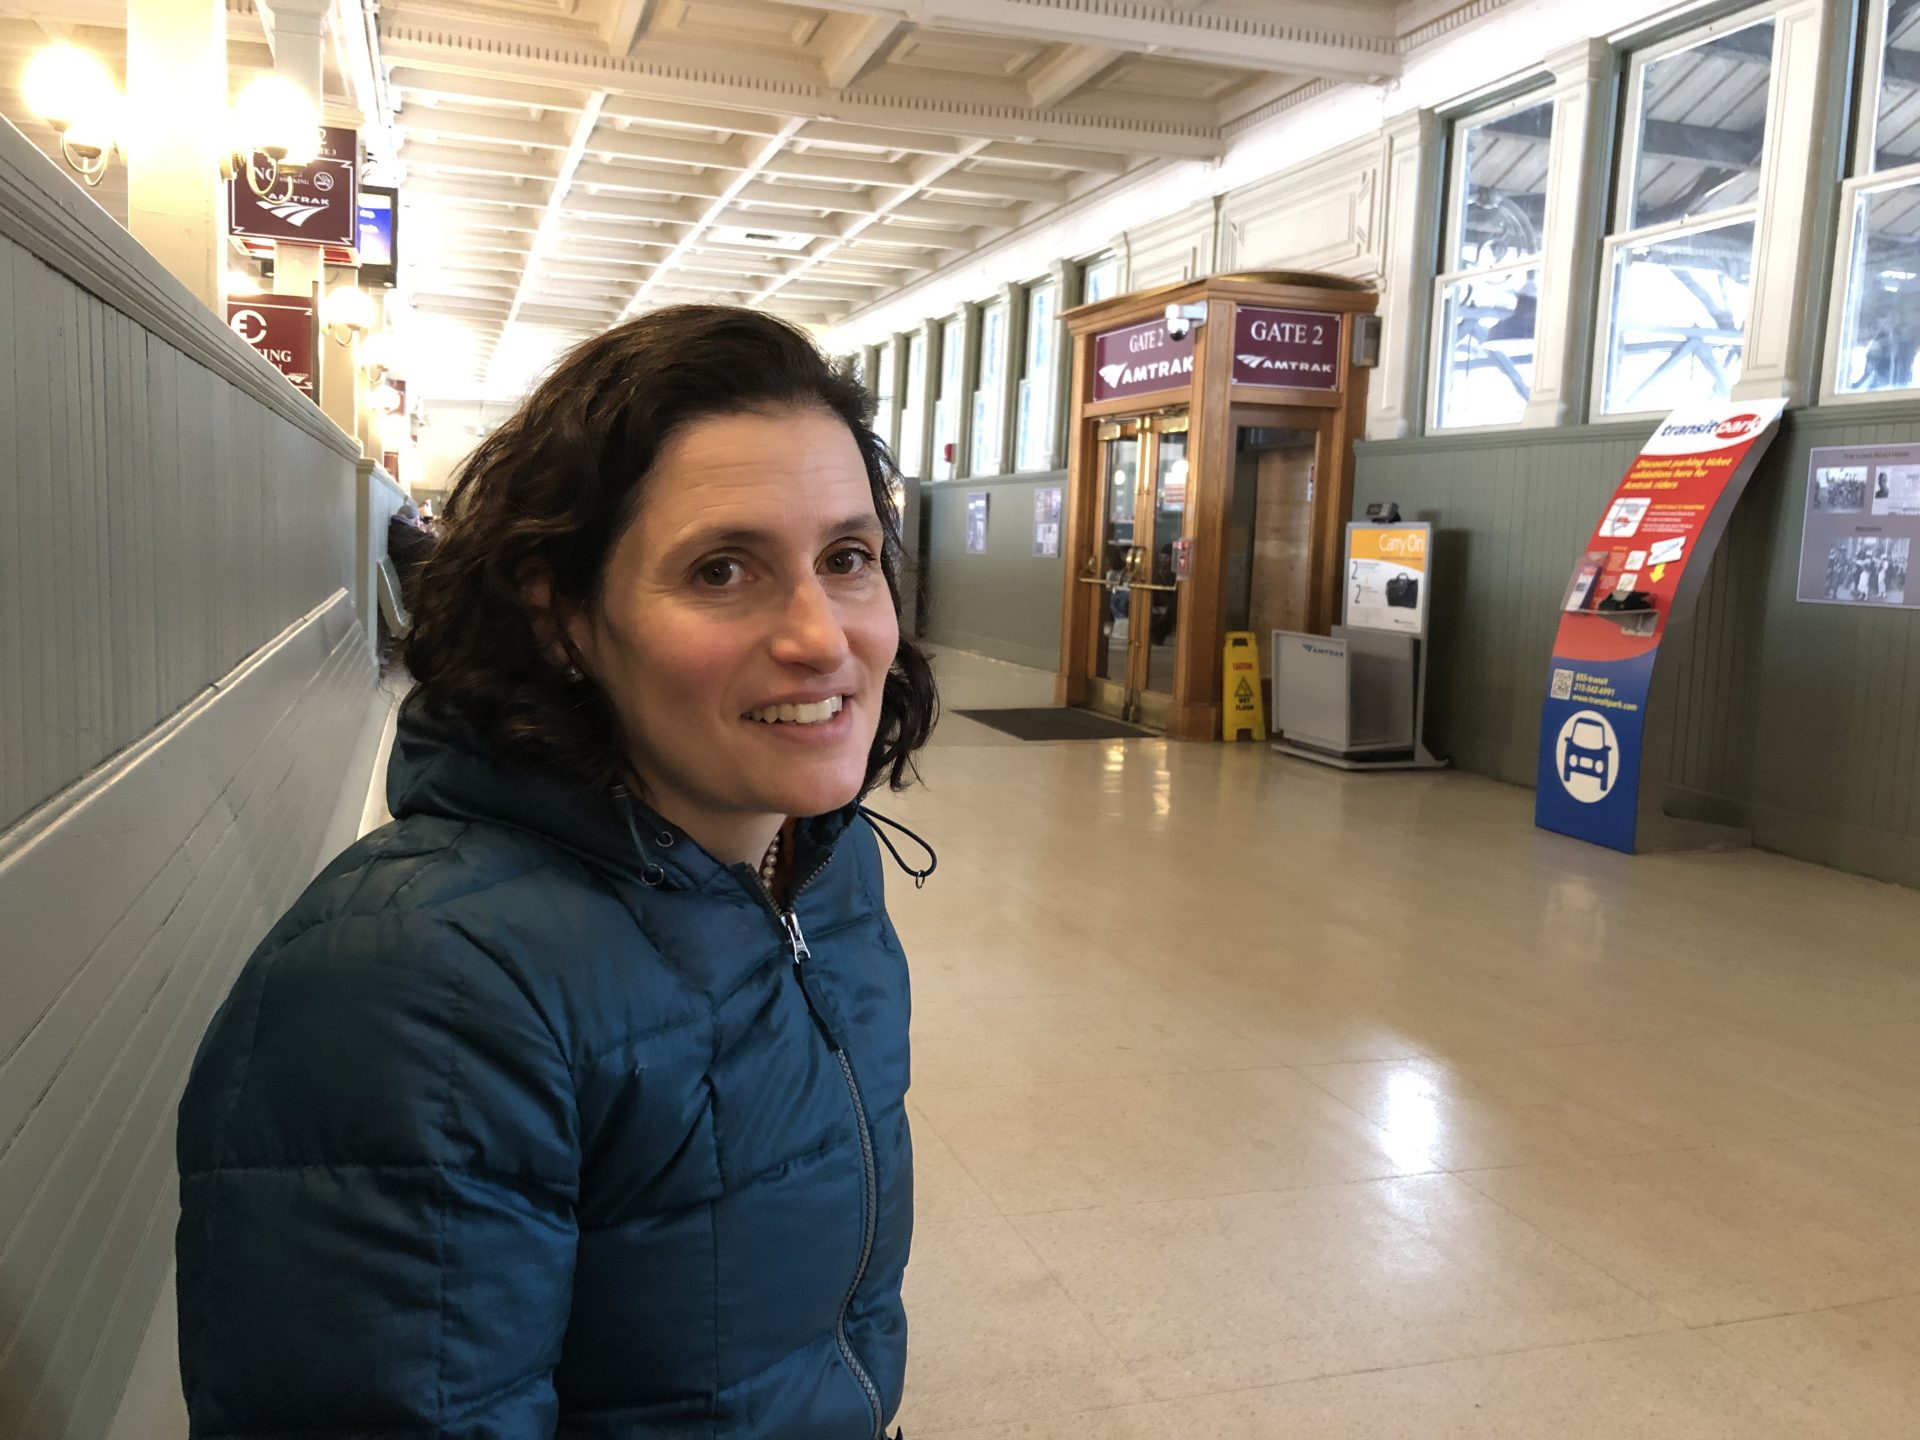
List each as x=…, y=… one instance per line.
x=571, y=1103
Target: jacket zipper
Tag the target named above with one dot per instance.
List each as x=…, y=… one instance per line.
x=797, y=943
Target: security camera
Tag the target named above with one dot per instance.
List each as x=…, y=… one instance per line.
x=1182, y=318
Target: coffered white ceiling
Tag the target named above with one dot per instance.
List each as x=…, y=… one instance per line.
x=571, y=162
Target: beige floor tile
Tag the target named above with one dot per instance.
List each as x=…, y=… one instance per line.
x=1737, y=1231
x=995, y=1338
x=1472, y=1111
x=1036, y=1039
x=1237, y=1291
x=942, y=1188
x=1108, y=1142
x=1859, y=1364
x=1662, y=1387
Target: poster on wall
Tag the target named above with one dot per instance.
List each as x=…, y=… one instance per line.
x=1863, y=519
x=1046, y=522
x=976, y=522
x=1387, y=577
x=320, y=208
x=1641, y=568
x=284, y=329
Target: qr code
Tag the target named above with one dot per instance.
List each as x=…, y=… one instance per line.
x=1563, y=684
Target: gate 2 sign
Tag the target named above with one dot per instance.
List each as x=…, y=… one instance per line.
x=1291, y=349
x=1139, y=360
x=1642, y=567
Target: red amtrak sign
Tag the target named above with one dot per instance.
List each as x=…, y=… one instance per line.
x=1139, y=360
x=1291, y=349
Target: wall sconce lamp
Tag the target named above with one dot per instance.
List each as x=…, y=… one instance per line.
x=72, y=90
x=349, y=314
x=276, y=133
x=376, y=354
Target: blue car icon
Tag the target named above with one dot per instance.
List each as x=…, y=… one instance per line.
x=1588, y=753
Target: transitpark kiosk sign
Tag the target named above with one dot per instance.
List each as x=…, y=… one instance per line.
x=1641, y=568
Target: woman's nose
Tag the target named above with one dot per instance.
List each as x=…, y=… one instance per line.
x=809, y=631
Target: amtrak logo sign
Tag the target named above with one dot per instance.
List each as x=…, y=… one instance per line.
x=1139, y=360
x=1291, y=349
x=324, y=206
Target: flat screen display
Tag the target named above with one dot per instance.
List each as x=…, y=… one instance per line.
x=378, y=224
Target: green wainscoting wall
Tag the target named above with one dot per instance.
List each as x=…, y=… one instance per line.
x=1005, y=603
x=1798, y=722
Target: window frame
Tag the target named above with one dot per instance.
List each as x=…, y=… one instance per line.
x=913, y=406
x=1860, y=181
x=1617, y=236
x=1536, y=91
x=1034, y=384
x=952, y=332
x=985, y=394
x=1086, y=267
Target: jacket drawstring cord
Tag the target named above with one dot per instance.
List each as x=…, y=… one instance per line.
x=875, y=820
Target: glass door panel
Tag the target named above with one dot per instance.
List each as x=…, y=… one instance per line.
x=1119, y=503
x=1162, y=590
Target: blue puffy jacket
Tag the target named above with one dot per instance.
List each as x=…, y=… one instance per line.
x=530, y=1119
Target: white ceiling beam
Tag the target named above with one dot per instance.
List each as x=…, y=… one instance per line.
x=1000, y=187
x=938, y=212
x=554, y=218
x=604, y=175
x=625, y=207
x=719, y=119
x=914, y=142
x=425, y=123
x=712, y=214
x=1057, y=157
x=1354, y=42
x=808, y=165
x=932, y=170
x=638, y=145
x=625, y=20
x=484, y=88
x=1068, y=70
x=471, y=192
x=472, y=160
x=787, y=220
x=980, y=110
x=859, y=48
x=791, y=197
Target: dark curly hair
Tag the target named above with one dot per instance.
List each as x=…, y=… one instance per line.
x=550, y=491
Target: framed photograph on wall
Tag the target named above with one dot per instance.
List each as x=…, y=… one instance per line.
x=976, y=522
x=1046, y=522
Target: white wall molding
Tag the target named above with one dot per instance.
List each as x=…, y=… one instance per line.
x=1774, y=363
x=1409, y=158
x=1325, y=215
x=1180, y=246
x=51, y=217
x=1576, y=183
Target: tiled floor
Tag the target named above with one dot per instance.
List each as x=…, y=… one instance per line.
x=1257, y=1100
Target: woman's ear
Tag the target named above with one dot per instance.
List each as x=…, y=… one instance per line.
x=556, y=627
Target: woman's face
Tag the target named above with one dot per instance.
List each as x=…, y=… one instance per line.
x=745, y=629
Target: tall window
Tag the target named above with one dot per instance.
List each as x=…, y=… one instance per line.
x=1680, y=258
x=1488, y=295
x=989, y=388
x=1033, y=408
x=912, y=434
x=1099, y=279
x=1880, y=268
x=946, y=405
x=885, y=415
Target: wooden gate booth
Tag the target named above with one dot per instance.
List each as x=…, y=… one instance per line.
x=1210, y=468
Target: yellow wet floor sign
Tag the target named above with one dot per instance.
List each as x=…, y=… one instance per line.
x=1242, y=711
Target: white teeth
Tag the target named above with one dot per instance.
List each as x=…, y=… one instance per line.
x=817, y=713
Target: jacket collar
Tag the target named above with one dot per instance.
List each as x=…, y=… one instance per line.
x=436, y=770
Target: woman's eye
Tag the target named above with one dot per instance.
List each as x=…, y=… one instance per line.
x=719, y=574
x=854, y=560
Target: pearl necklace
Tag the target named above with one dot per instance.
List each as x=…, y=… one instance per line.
x=770, y=867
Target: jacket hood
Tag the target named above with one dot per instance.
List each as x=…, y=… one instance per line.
x=437, y=770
